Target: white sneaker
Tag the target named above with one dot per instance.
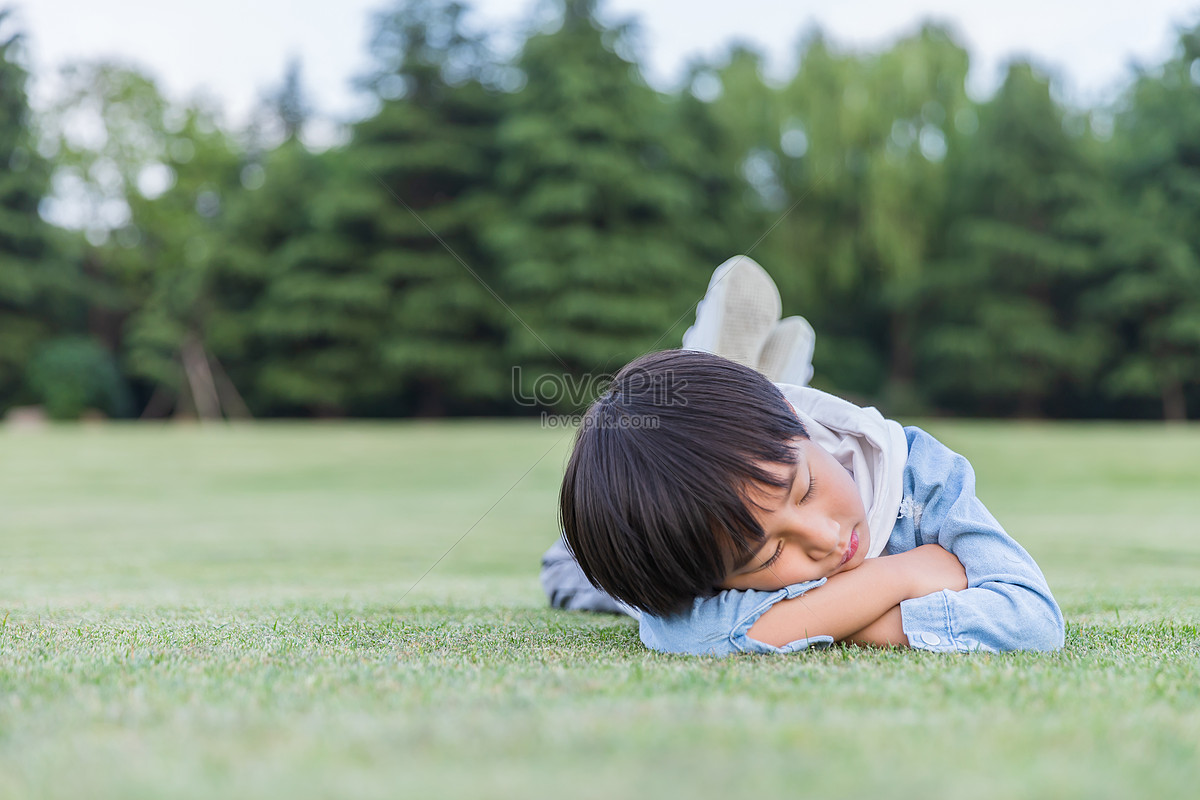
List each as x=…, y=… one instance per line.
x=737, y=313
x=786, y=356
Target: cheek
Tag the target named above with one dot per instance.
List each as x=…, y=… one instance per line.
x=797, y=568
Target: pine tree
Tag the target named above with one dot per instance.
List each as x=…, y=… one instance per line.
x=1151, y=248
x=374, y=303
x=300, y=310
x=290, y=104
x=426, y=162
x=1003, y=330
x=39, y=287
x=599, y=242
x=282, y=322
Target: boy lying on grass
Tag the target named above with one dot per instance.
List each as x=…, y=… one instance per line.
x=731, y=514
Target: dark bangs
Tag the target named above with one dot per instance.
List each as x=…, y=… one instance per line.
x=653, y=503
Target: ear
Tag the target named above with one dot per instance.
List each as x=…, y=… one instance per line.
x=792, y=407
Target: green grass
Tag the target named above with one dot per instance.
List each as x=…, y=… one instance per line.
x=238, y=612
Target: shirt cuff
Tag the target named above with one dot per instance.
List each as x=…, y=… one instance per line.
x=740, y=636
x=929, y=625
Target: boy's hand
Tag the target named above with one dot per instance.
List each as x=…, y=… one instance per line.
x=931, y=568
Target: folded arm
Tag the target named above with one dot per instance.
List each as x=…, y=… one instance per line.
x=862, y=605
x=1007, y=604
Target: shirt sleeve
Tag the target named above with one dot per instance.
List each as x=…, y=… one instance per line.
x=1007, y=604
x=719, y=625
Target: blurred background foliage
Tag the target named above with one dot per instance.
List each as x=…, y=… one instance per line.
x=551, y=212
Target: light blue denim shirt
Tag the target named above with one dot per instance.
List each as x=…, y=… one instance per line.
x=1006, y=605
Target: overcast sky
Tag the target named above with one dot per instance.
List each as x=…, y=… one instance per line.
x=235, y=49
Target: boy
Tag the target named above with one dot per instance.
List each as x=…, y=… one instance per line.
x=732, y=514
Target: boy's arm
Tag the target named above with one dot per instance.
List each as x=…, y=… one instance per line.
x=1007, y=605
x=863, y=604
x=887, y=631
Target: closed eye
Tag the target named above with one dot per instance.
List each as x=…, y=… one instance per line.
x=812, y=486
x=767, y=564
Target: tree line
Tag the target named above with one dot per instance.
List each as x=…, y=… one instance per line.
x=503, y=218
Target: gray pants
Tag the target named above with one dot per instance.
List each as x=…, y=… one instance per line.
x=567, y=587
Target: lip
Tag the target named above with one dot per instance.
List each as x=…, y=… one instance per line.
x=851, y=549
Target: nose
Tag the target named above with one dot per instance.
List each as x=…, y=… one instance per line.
x=821, y=536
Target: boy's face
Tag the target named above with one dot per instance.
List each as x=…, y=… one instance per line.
x=815, y=527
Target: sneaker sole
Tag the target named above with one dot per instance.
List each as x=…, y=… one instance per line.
x=786, y=356
x=750, y=309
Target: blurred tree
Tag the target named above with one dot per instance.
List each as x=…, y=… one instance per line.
x=149, y=183
x=728, y=219
x=71, y=375
x=298, y=313
x=826, y=130
x=1151, y=250
x=180, y=235
x=40, y=286
x=985, y=259
x=599, y=241
x=277, y=326
x=290, y=104
x=920, y=83
x=366, y=306
x=734, y=117
x=426, y=164
x=1000, y=310
x=861, y=143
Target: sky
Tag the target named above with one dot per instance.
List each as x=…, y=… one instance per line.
x=235, y=50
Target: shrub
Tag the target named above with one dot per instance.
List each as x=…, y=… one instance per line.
x=69, y=375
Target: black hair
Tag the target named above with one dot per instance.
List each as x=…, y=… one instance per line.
x=654, y=500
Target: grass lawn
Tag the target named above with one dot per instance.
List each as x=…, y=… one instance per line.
x=240, y=611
